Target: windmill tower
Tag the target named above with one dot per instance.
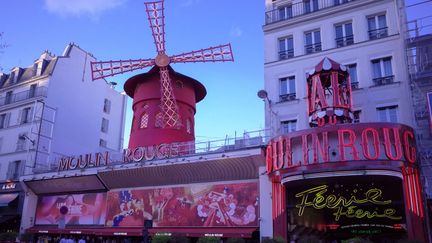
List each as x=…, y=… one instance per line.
x=163, y=100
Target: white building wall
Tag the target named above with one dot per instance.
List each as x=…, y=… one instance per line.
x=367, y=98
x=79, y=103
x=70, y=107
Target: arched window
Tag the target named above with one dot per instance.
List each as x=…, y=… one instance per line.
x=188, y=126
x=159, y=120
x=144, y=120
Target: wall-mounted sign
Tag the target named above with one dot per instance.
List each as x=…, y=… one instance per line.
x=9, y=186
x=351, y=142
x=139, y=154
x=347, y=203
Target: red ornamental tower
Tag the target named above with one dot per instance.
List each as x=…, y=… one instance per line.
x=329, y=94
x=164, y=101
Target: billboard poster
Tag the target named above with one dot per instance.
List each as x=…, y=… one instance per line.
x=82, y=209
x=352, y=205
x=200, y=205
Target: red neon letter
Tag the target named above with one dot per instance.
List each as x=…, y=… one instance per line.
x=342, y=144
x=410, y=151
x=376, y=143
x=278, y=162
x=397, y=144
x=316, y=146
x=288, y=153
x=269, y=159
x=305, y=149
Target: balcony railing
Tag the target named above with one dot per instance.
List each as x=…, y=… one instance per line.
x=287, y=97
x=344, y=41
x=40, y=91
x=378, y=33
x=286, y=54
x=299, y=9
x=383, y=80
x=312, y=48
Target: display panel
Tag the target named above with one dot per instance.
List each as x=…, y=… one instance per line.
x=192, y=205
x=352, y=205
x=79, y=209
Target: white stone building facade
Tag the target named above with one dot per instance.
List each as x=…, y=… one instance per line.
x=364, y=35
x=53, y=109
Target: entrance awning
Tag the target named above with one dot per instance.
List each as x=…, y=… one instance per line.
x=5, y=199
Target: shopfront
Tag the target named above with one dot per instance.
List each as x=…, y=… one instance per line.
x=11, y=199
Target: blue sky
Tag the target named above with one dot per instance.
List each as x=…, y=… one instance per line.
x=118, y=29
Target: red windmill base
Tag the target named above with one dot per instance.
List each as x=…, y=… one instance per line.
x=147, y=124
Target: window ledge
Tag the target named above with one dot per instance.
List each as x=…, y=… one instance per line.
x=293, y=101
x=397, y=83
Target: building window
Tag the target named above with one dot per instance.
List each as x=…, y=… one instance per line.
x=22, y=142
x=287, y=88
x=344, y=34
x=159, y=120
x=188, y=126
x=288, y=126
x=39, y=67
x=102, y=143
x=4, y=120
x=8, y=98
x=352, y=71
x=107, y=106
x=1, y=144
x=285, y=12
x=313, y=41
x=337, y=2
x=377, y=27
x=382, y=71
x=286, y=48
x=144, y=120
x=15, y=169
x=388, y=113
x=26, y=115
x=310, y=5
x=356, y=118
x=32, y=91
x=105, y=124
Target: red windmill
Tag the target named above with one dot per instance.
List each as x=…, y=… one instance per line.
x=166, y=113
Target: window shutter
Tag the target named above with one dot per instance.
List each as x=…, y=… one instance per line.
x=30, y=115
x=11, y=169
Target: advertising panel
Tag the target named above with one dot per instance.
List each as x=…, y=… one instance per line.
x=71, y=209
x=199, y=205
x=351, y=205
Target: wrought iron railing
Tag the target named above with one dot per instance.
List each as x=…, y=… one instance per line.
x=40, y=91
x=298, y=9
x=355, y=85
x=378, y=33
x=246, y=140
x=286, y=54
x=287, y=97
x=312, y=48
x=383, y=80
x=344, y=41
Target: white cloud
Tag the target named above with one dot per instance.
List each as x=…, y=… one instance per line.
x=92, y=8
x=236, y=31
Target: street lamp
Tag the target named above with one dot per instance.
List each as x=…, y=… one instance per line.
x=262, y=94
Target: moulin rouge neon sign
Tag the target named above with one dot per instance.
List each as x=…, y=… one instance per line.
x=353, y=142
x=346, y=207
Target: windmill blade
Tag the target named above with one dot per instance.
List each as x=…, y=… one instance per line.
x=156, y=17
x=110, y=68
x=169, y=106
x=222, y=53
